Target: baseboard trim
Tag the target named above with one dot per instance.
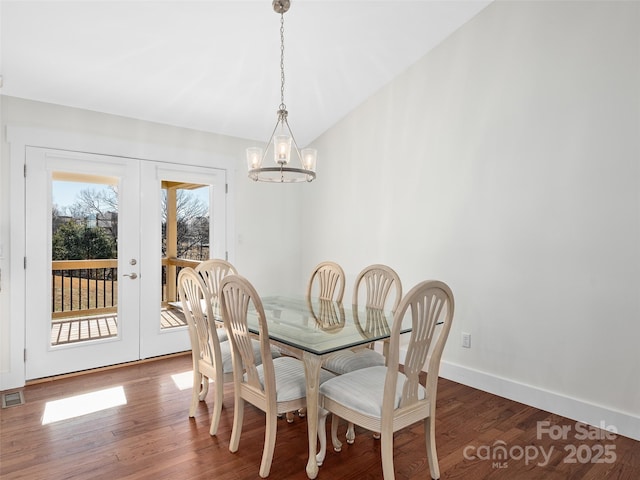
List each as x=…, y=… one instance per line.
x=626, y=424
x=36, y=381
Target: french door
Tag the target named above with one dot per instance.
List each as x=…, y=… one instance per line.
x=96, y=291
x=175, y=197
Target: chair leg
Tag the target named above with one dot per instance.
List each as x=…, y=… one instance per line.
x=269, y=445
x=217, y=406
x=337, y=444
x=204, y=388
x=302, y=412
x=322, y=435
x=432, y=456
x=386, y=452
x=289, y=417
x=351, y=433
x=195, y=392
x=238, y=416
x=385, y=351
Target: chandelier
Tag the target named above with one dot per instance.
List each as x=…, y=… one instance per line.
x=282, y=144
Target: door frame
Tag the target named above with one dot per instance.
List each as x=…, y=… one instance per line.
x=13, y=336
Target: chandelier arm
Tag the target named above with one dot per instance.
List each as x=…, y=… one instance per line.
x=266, y=150
x=293, y=139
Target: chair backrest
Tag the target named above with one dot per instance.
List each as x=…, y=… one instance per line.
x=213, y=271
x=236, y=295
x=373, y=324
x=330, y=280
x=378, y=281
x=197, y=309
x=430, y=304
x=329, y=315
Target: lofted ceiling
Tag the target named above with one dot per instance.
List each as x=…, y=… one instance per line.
x=214, y=65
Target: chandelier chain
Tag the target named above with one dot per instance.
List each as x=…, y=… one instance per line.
x=282, y=105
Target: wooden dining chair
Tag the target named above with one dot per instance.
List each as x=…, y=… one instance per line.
x=277, y=385
x=212, y=271
x=211, y=356
x=373, y=288
x=327, y=282
x=210, y=353
x=386, y=399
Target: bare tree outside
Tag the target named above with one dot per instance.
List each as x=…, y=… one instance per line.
x=98, y=207
x=193, y=225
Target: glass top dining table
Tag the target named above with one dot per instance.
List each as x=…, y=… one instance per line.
x=320, y=326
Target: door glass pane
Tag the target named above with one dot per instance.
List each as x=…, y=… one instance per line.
x=185, y=240
x=84, y=252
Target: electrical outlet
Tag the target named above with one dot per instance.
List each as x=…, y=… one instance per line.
x=466, y=340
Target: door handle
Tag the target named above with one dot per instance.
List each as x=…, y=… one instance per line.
x=132, y=276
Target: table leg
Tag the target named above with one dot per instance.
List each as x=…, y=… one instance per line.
x=312, y=364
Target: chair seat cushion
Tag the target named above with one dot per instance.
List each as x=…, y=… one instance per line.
x=346, y=361
x=362, y=390
x=290, y=379
x=222, y=334
x=227, y=362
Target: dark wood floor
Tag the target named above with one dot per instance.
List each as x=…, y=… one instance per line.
x=151, y=436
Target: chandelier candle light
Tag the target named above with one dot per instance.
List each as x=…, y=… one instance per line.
x=282, y=139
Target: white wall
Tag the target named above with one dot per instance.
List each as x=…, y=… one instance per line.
x=5, y=331
x=263, y=241
x=506, y=163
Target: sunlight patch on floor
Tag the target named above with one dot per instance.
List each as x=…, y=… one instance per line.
x=183, y=380
x=84, y=404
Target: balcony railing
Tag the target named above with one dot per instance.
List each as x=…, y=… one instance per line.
x=170, y=269
x=90, y=287
x=84, y=287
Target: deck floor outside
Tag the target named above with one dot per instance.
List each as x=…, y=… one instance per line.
x=98, y=327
